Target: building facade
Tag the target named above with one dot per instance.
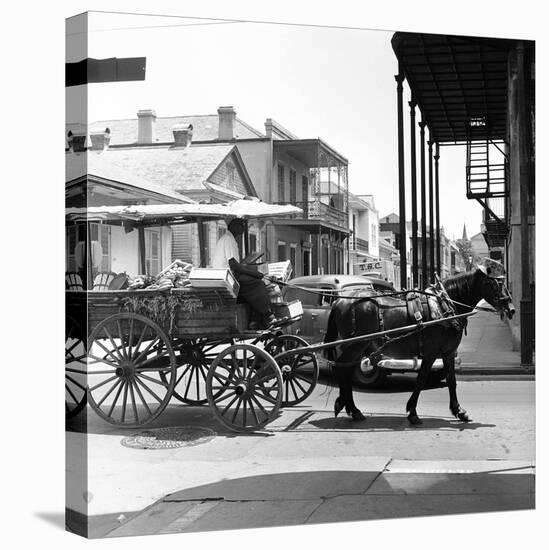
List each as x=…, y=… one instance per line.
x=171, y=163
x=364, y=227
x=307, y=173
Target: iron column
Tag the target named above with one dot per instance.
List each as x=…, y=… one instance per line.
x=424, y=274
x=431, y=216
x=415, y=278
x=401, y=188
x=437, y=207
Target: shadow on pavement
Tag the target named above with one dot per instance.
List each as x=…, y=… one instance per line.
x=174, y=415
x=395, y=423
x=313, y=497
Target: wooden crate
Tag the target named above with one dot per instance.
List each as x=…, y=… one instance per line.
x=212, y=278
x=291, y=310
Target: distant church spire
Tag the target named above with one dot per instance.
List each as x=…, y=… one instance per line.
x=464, y=233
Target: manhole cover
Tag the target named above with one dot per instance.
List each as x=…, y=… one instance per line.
x=169, y=438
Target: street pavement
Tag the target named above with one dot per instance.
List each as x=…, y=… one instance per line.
x=308, y=467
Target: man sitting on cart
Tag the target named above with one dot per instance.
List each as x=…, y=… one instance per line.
x=252, y=289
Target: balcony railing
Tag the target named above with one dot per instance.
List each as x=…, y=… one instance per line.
x=358, y=244
x=316, y=210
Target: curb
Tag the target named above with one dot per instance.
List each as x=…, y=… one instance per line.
x=484, y=370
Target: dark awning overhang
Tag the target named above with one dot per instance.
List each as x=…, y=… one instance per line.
x=314, y=226
x=307, y=151
x=456, y=79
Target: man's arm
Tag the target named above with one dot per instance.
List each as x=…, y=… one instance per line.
x=244, y=269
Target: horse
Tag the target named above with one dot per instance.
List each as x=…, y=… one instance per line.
x=360, y=315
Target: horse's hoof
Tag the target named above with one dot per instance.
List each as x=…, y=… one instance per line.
x=357, y=416
x=414, y=419
x=461, y=414
x=464, y=417
x=338, y=406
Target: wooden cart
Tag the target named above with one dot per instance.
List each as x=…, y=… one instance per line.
x=132, y=365
x=128, y=353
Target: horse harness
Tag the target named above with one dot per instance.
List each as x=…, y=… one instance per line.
x=420, y=307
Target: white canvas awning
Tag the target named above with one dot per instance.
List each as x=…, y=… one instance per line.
x=151, y=214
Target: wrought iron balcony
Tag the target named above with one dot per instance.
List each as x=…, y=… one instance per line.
x=316, y=210
x=358, y=244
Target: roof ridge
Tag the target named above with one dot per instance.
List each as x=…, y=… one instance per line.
x=251, y=128
x=163, y=117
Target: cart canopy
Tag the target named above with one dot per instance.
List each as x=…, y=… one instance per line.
x=152, y=214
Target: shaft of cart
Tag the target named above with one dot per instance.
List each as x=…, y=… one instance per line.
x=375, y=335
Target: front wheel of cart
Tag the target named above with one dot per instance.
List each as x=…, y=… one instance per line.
x=244, y=388
x=131, y=370
x=299, y=369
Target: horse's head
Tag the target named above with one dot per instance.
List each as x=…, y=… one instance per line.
x=495, y=292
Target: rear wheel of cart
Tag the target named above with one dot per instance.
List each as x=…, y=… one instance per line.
x=131, y=370
x=75, y=368
x=299, y=370
x=194, y=358
x=244, y=388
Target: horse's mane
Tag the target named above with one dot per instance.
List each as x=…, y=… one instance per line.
x=459, y=286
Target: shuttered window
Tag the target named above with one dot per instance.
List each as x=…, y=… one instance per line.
x=152, y=251
x=98, y=232
x=281, y=197
x=293, y=187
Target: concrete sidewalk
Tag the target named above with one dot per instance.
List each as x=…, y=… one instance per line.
x=393, y=489
x=487, y=348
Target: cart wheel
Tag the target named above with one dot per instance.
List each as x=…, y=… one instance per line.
x=193, y=362
x=131, y=370
x=75, y=368
x=244, y=388
x=299, y=370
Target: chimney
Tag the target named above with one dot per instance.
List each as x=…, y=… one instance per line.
x=269, y=127
x=77, y=142
x=100, y=139
x=227, y=117
x=145, y=128
x=182, y=135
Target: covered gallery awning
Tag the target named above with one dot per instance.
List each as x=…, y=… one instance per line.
x=456, y=81
x=158, y=214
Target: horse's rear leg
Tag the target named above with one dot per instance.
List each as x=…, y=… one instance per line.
x=421, y=380
x=455, y=408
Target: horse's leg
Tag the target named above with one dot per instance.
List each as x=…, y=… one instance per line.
x=344, y=374
x=455, y=408
x=341, y=379
x=421, y=380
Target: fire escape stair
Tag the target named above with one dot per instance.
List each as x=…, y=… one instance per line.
x=487, y=183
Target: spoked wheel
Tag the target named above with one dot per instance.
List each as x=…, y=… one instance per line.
x=75, y=368
x=244, y=388
x=299, y=370
x=131, y=370
x=194, y=358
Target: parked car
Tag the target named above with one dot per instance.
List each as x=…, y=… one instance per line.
x=379, y=284
x=317, y=307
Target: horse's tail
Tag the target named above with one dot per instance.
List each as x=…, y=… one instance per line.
x=331, y=335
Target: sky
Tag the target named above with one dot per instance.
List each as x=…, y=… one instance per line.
x=334, y=83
